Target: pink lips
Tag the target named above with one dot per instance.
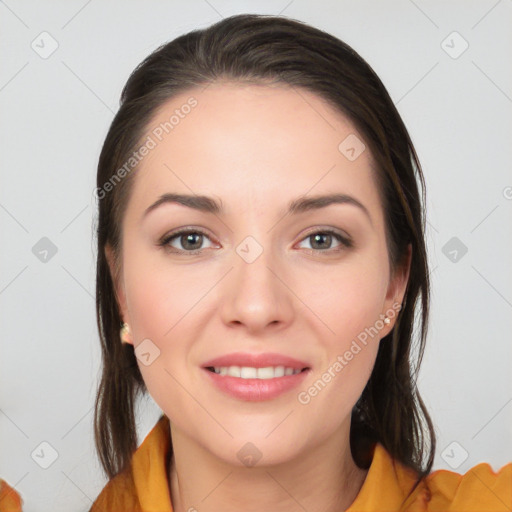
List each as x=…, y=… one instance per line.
x=255, y=389
x=256, y=361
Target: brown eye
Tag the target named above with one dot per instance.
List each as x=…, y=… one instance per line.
x=188, y=241
x=321, y=241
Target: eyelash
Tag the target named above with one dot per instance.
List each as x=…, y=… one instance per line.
x=164, y=242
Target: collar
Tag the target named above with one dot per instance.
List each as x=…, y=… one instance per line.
x=385, y=487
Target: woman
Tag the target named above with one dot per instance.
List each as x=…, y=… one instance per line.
x=261, y=246
x=261, y=256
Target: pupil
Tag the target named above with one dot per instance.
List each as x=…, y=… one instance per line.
x=317, y=236
x=189, y=238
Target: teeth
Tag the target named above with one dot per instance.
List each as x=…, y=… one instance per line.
x=266, y=373
x=247, y=372
x=233, y=371
x=279, y=371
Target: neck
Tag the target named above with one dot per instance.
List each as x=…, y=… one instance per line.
x=323, y=479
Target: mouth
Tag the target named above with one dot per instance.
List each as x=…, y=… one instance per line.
x=255, y=377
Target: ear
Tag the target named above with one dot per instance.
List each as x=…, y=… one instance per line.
x=396, y=289
x=119, y=290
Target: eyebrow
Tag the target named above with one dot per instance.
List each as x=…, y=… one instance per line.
x=300, y=205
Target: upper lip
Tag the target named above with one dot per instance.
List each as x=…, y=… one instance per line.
x=256, y=361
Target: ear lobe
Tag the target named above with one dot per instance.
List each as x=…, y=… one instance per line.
x=116, y=281
x=396, y=290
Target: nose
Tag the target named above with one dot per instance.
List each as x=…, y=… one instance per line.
x=255, y=294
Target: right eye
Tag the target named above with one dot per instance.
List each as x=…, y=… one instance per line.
x=189, y=239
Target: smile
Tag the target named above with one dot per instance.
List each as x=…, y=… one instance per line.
x=248, y=372
x=255, y=376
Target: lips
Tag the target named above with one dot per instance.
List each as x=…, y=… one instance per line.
x=256, y=361
x=276, y=374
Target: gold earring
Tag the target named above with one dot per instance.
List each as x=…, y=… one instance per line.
x=124, y=333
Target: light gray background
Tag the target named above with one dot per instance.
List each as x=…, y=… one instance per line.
x=55, y=114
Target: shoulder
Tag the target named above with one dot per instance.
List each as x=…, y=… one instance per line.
x=10, y=499
x=118, y=494
x=479, y=489
x=390, y=486
x=144, y=484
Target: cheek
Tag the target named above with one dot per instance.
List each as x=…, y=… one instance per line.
x=348, y=354
x=351, y=298
x=166, y=304
x=350, y=302
x=162, y=305
x=159, y=295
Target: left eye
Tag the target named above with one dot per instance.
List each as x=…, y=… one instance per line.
x=324, y=238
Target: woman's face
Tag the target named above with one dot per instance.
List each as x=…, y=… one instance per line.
x=253, y=278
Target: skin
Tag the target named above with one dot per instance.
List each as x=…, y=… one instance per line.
x=256, y=147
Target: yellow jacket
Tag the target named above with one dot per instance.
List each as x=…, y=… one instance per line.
x=145, y=488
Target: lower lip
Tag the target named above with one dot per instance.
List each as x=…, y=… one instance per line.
x=256, y=390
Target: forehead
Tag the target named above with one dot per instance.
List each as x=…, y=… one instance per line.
x=252, y=144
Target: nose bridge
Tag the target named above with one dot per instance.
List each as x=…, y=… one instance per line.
x=254, y=262
x=255, y=296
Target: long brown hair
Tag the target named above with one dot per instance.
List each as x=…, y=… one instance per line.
x=262, y=49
